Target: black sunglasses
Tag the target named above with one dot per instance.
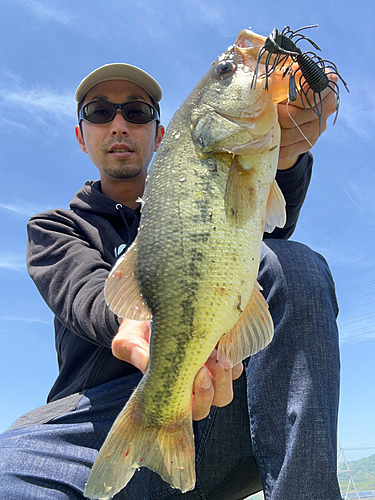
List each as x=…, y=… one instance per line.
x=104, y=111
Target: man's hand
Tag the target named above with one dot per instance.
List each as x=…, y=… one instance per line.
x=132, y=343
x=212, y=384
x=292, y=141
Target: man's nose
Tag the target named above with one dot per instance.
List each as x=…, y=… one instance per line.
x=119, y=126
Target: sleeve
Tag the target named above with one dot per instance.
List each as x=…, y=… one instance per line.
x=70, y=275
x=294, y=184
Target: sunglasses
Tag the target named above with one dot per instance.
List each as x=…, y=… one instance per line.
x=104, y=112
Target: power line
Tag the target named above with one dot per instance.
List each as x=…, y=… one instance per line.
x=355, y=262
x=370, y=315
x=358, y=335
x=355, y=274
x=356, y=287
x=359, y=343
x=356, y=307
x=357, y=329
x=360, y=449
x=356, y=298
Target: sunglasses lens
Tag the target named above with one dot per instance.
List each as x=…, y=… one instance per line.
x=99, y=112
x=138, y=112
x=105, y=111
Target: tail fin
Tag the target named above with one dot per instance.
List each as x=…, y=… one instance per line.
x=167, y=449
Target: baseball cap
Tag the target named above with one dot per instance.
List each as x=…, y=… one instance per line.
x=120, y=71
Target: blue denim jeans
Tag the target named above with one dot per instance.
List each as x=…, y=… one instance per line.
x=278, y=434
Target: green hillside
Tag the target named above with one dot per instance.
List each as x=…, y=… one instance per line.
x=363, y=472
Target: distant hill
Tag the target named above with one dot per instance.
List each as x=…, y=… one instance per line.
x=363, y=472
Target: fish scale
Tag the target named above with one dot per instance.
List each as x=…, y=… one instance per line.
x=194, y=263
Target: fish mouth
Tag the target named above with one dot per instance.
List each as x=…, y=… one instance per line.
x=248, y=45
x=249, y=40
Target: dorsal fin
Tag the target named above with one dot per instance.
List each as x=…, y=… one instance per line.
x=123, y=290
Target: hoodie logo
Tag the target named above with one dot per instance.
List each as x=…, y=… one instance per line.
x=119, y=250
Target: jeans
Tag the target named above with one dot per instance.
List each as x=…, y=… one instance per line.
x=278, y=435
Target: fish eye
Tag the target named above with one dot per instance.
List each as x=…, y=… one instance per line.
x=225, y=69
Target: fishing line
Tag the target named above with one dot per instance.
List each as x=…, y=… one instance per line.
x=329, y=168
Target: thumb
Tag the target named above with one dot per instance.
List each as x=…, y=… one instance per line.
x=131, y=343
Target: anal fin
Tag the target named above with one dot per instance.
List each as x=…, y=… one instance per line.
x=252, y=333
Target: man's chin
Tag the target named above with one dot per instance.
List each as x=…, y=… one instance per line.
x=123, y=172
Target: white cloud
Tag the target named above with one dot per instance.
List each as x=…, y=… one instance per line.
x=37, y=100
x=10, y=124
x=23, y=208
x=357, y=109
x=202, y=13
x=26, y=320
x=12, y=262
x=26, y=109
x=46, y=12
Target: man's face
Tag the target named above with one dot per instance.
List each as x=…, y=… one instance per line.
x=119, y=149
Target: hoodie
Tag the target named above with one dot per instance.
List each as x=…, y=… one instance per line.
x=69, y=256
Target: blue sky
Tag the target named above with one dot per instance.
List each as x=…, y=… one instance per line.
x=49, y=46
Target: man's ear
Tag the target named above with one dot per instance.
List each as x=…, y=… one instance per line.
x=159, y=136
x=80, y=139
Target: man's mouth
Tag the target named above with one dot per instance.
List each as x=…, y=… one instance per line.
x=120, y=149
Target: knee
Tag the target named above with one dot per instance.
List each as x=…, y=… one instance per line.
x=297, y=273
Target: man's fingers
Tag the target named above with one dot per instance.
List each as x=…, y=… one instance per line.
x=139, y=328
x=297, y=141
x=213, y=385
x=310, y=94
x=131, y=343
x=296, y=111
x=203, y=394
x=221, y=374
x=237, y=371
x=132, y=349
x=300, y=129
x=289, y=115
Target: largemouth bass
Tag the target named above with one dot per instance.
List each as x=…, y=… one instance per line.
x=193, y=267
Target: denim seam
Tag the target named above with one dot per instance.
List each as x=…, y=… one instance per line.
x=207, y=429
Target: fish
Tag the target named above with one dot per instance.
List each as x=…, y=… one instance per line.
x=192, y=269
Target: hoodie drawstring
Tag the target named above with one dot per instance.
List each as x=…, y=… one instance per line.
x=131, y=223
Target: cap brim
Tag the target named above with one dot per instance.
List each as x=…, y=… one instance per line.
x=120, y=71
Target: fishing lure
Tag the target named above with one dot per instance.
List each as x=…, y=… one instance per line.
x=282, y=48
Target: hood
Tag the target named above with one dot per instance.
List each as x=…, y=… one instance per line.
x=90, y=201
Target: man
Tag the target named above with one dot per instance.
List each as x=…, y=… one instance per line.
x=279, y=432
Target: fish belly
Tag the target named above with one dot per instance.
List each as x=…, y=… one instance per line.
x=197, y=274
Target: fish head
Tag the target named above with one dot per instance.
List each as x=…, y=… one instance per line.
x=231, y=110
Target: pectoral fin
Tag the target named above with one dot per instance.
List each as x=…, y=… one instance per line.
x=239, y=193
x=276, y=214
x=123, y=290
x=252, y=333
